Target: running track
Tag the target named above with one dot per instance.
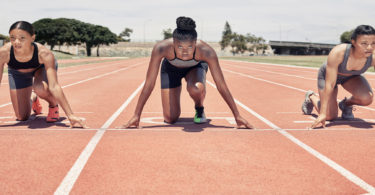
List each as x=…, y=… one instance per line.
x=280, y=157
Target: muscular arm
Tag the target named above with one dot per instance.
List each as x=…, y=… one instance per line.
x=4, y=58
x=46, y=57
x=209, y=55
x=218, y=77
x=152, y=73
x=335, y=57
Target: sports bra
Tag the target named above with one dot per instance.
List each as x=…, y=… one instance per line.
x=33, y=63
x=183, y=63
x=343, y=65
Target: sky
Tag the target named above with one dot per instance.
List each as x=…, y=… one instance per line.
x=320, y=21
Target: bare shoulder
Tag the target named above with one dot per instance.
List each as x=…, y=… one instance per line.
x=162, y=47
x=338, y=51
x=44, y=53
x=205, y=51
x=4, y=53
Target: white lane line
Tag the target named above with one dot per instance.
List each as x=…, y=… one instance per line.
x=146, y=128
x=279, y=84
x=347, y=174
x=267, y=81
x=102, y=75
x=160, y=120
x=285, y=65
x=187, y=112
x=282, y=65
x=7, y=104
x=92, y=68
x=272, y=72
x=89, y=79
x=68, y=182
x=341, y=121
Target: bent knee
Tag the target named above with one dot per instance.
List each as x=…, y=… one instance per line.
x=365, y=100
x=170, y=119
x=23, y=118
x=329, y=118
x=198, y=88
x=40, y=89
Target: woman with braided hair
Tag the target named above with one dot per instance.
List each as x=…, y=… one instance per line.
x=183, y=56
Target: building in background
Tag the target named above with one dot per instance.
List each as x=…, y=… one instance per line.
x=300, y=48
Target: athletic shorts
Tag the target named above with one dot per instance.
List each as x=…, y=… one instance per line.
x=20, y=80
x=340, y=78
x=170, y=76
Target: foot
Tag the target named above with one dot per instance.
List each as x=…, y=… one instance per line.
x=53, y=114
x=307, y=105
x=36, y=106
x=347, y=111
x=199, y=117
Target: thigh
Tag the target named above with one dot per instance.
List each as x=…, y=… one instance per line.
x=40, y=75
x=171, y=102
x=358, y=86
x=197, y=74
x=170, y=76
x=40, y=78
x=21, y=102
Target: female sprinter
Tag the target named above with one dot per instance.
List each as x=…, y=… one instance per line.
x=27, y=60
x=345, y=65
x=183, y=57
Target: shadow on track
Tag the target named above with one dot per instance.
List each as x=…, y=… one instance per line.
x=188, y=125
x=37, y=122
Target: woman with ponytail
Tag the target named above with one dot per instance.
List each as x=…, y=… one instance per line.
x=183, y=56
x=345, y=66
x=32, y=67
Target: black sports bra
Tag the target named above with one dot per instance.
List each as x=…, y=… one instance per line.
x=33, y=63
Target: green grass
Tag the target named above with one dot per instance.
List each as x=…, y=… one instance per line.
x=61, y=55
x=89, y=62
x=311, y=61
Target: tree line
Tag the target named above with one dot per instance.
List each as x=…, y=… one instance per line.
x=62, y=31
x=241, y=43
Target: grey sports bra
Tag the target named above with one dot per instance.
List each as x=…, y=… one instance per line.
x=183, y=63
x=343, y=65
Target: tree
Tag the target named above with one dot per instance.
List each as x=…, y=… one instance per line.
x=226, y=37
x=125, y=35
x=46, y=30
x=4, y=37
x=238, y=44
x=346, y=36
x=103, y=36
x=167, y=33
x=257, y=43
x=70, y=31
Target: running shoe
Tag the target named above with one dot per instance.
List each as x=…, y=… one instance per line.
x=199, y=117
x=36, y=106
x=53, y=114
x=307, y=105
x=347, y=111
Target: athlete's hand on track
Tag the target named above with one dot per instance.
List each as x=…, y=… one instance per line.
x=133, y=122
x=74, y=120
x=243, y=122
x=321, y=119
